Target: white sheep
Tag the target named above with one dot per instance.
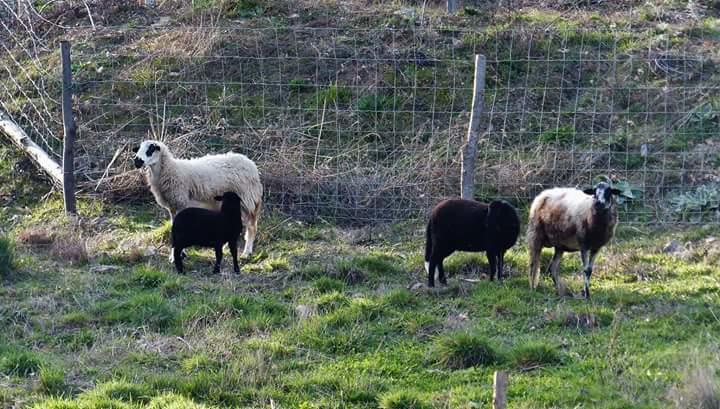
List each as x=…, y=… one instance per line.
x=181, y=183
x=571, y=220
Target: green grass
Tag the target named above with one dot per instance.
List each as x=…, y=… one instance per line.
x=364, y=339
x=464, y=350
x=19, y=362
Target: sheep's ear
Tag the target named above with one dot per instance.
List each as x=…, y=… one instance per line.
x=616, y=192
x=590, y=191
x=219, y=198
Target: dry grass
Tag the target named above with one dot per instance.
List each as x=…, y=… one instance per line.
x=71, y=247
x=63, y=241
x=36, y=236
x=699, y=389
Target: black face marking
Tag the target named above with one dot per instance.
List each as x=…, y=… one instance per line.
x=152, y=148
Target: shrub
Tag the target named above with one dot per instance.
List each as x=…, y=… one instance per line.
x=70, y=247
x=142, y=309
x=52, y=381
x=7, y=255
x=535, y=353
x=327, y=284
x=148, y=278
x=464, y=350
x=16, y=362
x=403, y=400
x=699, y=389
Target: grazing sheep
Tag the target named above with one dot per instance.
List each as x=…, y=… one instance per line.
x=196, y=226
x=571, y=220
x=181, y=183
x=468, y=225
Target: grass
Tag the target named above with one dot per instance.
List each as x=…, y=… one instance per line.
x=464, y=350
x=338, y=325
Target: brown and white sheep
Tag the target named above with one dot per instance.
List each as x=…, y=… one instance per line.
x=571, y=220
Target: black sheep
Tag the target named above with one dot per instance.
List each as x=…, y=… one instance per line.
x=468, y=225
x=200, y=227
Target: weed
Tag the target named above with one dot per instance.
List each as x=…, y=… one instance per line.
x=17, y=362
x=119, y=390
x=331, y=301
x=147, y=277
x=70, y=247
x=405, y=399
x=327, y=284
x=465, y=350
x=7, y=255
x=141, y=309
x=699, y=389
x=52, y=381
x=533, y=354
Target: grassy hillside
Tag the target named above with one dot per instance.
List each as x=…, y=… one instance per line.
x=327, y=315
x=356, y=111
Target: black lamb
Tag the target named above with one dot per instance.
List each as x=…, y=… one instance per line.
x=200, y=227
x=468, y=225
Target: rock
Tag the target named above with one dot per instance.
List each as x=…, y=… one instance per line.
x=672, y=247
x=149, y=252
x=416, y=286
x=406, y=12
x=305, y=311
x=103, y=268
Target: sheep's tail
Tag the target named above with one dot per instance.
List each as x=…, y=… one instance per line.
x=428, y=242
x=534, y=248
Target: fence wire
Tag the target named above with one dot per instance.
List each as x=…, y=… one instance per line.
x=366, y=125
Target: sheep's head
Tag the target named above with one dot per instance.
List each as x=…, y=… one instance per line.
x=230, y=202
x=147, y=154
x=603, y=195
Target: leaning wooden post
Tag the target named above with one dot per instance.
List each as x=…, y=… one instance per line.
x=469, y=152
x=70, y=131
x=452, y=6
x=500, y=390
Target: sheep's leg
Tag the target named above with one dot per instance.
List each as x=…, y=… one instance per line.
x=588, y=267
x=233, y=252
x=501, y=266
x=492, y=260
x=178, y=259
x=250, y=231
x=431, y=272
x=534, y=250
x=555, y=267
x=441, y=273
x=218, y=258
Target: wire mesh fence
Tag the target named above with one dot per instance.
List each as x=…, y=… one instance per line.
x=359, y=125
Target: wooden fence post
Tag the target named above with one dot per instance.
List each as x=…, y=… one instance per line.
x=469, y=152
x=500, y=390
x=70, y=131
x=452, y=6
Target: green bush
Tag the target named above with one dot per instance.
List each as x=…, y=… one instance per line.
x=464, y=350
x=403, y=400
x=535, y=353
x=7, y=255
